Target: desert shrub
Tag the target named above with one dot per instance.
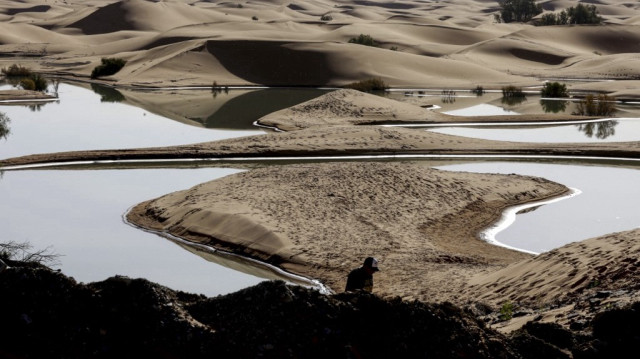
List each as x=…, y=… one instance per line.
x=28, y=84
x=554, y=89
x=16, y=71
x=518, y=10
x=506, y=311
x=512, y=92
x=369, y=85
x=602, y=105
x=578, y=15
x=254, y=18
x=109, y=66
x=24, y=252
x=583, y=14
x=34, y=82
x=326, y=17
x=479, y=90
x=548, y=19
x=363, y=39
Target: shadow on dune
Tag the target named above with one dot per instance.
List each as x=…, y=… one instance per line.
x=240, y=112
x=272, y=63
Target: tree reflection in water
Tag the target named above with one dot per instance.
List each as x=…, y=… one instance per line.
x=513, y=100
x=4, y=126
x=107, y=94
x=601, y=130
x=553, y=106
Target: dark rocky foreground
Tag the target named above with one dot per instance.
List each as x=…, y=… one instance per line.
x=45, y=314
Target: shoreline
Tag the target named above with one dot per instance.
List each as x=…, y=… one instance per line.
x=243, y=260
x=475, y=254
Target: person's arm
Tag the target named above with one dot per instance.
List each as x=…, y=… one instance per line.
x=350, y=283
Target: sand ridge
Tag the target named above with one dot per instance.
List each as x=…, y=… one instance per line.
x=452, y=45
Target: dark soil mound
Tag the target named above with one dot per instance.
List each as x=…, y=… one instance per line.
x=48, y=315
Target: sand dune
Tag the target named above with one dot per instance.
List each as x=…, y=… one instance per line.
x=456, y=44
x=319, y=220
x=604, y=263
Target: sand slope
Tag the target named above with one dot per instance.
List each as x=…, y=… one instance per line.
x=453, y=44
x=609, y=262
x=321, y=220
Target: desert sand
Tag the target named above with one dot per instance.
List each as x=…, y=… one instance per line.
x=321, y=220
x=275, y=43
x=421, y=223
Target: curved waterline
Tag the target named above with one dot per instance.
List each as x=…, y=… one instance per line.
x=509, y=216
x=314, y=158
x=242, y=260
x=499, y=123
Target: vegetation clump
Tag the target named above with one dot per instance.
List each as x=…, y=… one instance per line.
x=326, y=17
x=479, y=90
x=23, y=76
x=369, y=85
x=24, y=252
x=363, y=39
x=108, y=67
x=16, y=71
x=34, y=82
x=578, y=15
x=506, y=311
x=554, y=89
x=512, y=92
x=602, y=105
x=518, y=10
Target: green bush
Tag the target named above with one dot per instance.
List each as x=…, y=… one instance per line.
x=362, y=39
x=512, y=92
x=370, y=85
x=16, y=71
x=554, y=89
x=583, y=14
x=34, y=82
x=506, y=311
x=518, y=10
x=108, y=67
x=602, y=105
x=28, y=84
x=578, y=15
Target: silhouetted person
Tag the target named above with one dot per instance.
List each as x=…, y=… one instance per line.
x=362, y=278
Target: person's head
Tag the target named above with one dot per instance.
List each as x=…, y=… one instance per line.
x=371, y=265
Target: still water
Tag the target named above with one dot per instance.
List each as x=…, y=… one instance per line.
x=81, y=121
x=78, y=213
x=608, y=202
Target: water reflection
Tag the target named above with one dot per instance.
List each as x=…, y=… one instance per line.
x=553, y=106
x=513, y=100
x=4, y=126
x=240, y=112
x=107, y=94
x=600, y=130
